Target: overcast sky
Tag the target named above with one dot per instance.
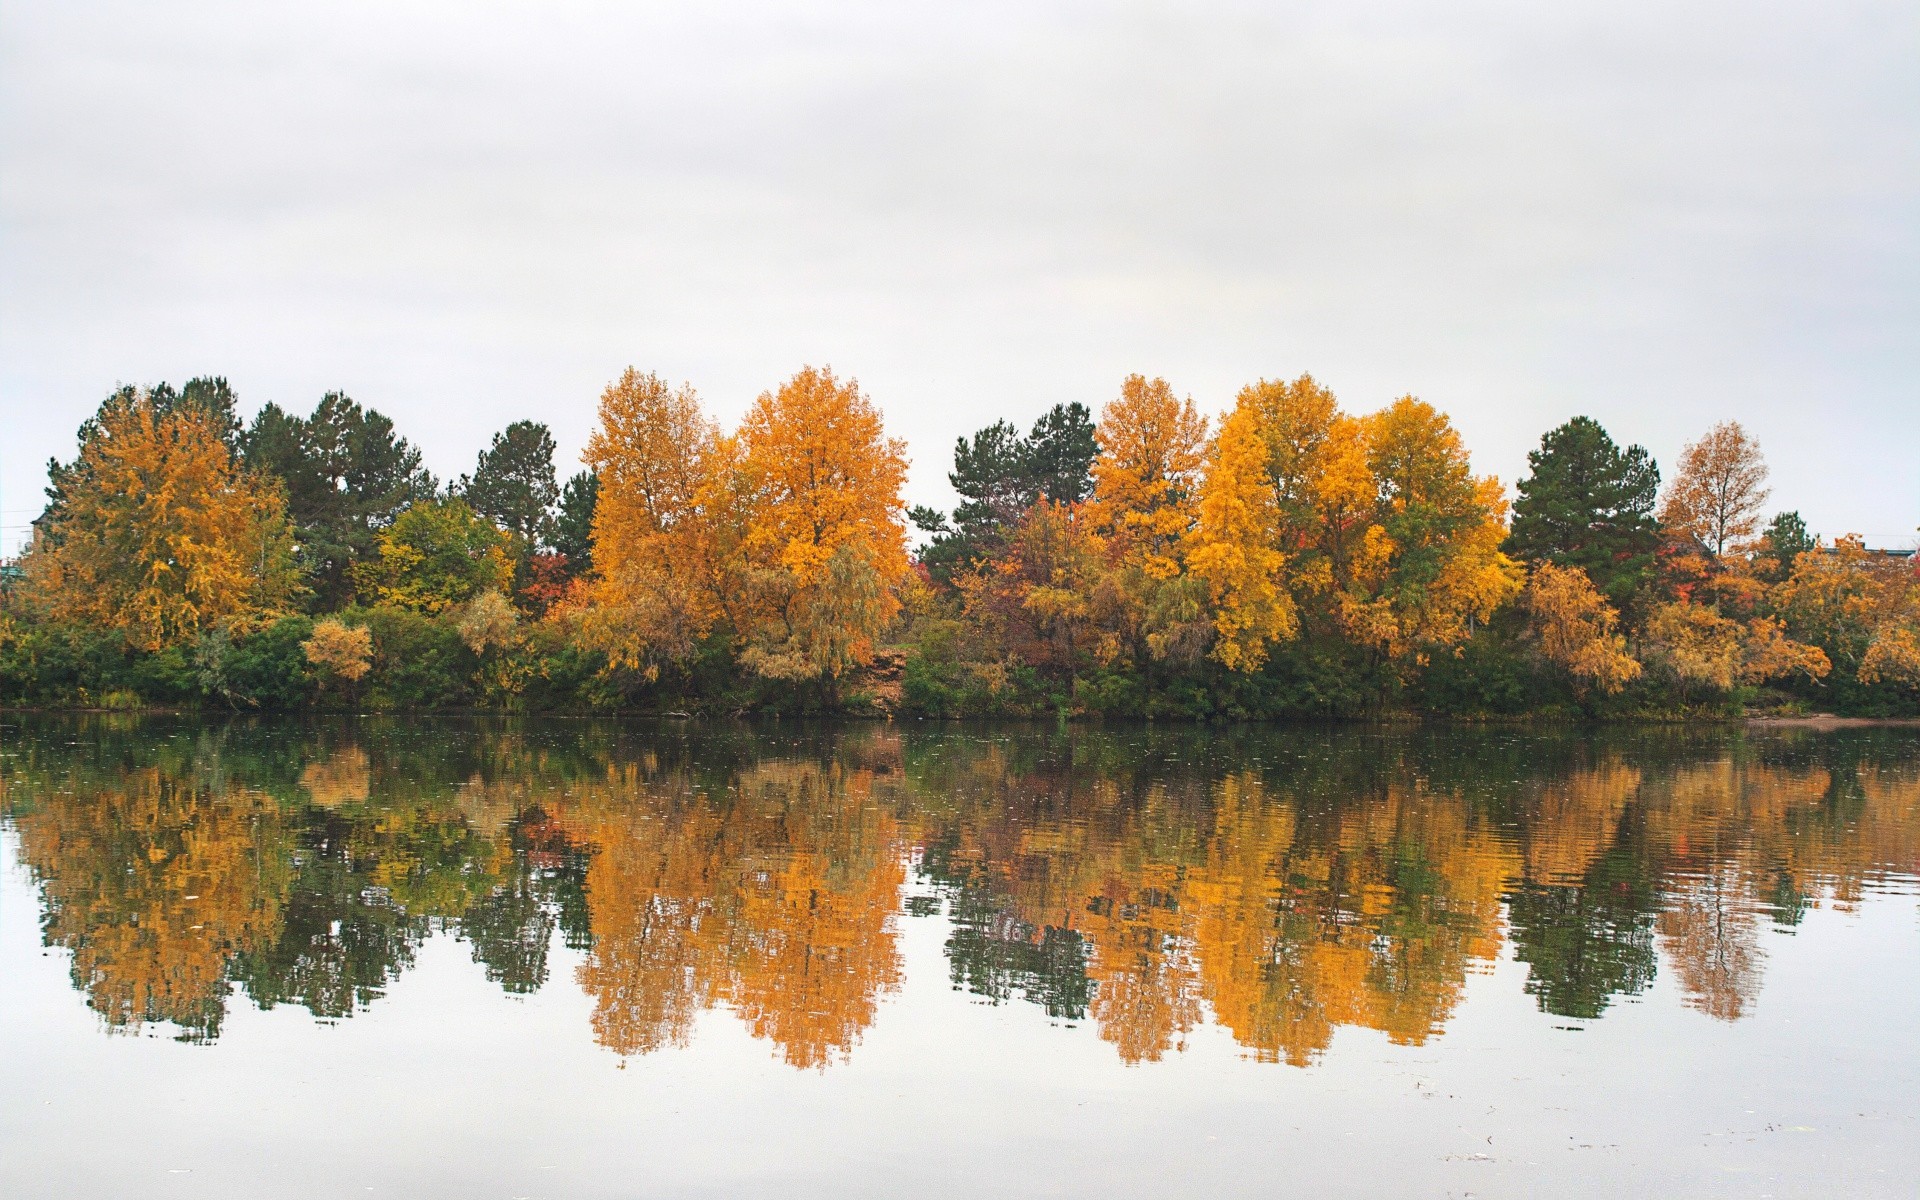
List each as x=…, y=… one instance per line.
x=1662, y=215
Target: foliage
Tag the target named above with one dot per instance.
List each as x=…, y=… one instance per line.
x=1589, y=505
x=1862, y=611
x=1576, y=628
x=1716, y=496
x=437, y=555
x=1301, y=563
x=572, y=532
x=1781, y=545
x=658, y=469
x=1235, y=547
x=156, y=532
x=340, y=649
x=823, y=545
x=488, y=621
x=513, y=483
x=347, y=476
x=1002, y=474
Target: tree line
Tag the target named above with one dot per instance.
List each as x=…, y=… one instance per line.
x=1289, y=559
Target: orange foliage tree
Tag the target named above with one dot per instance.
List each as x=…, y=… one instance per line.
x=1375, y=529
x=1715, y=497
x=159, y=533
x=1576, y=628
x=1146, y=483
x=824, y=543
x=659, y=587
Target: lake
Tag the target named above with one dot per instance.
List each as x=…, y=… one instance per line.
x=425, y=957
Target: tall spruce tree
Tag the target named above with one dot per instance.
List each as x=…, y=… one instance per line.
x=347, y=476
x=572, y=532
x=513, y=484
x=1589, y=504
x=1000, y=474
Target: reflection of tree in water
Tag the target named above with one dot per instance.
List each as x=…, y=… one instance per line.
x=772, y=893
x=1588, y=942
x=512, y=926
x=1283, y=885
x=154, y=884
x=367, y=889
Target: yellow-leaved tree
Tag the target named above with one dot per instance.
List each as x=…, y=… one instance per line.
x=159, y=533
x=1702, y=646
x=1146, y=493
x=1716, y=496
x=1234, y=547
x=1862, y=609
x=436, y=557
x=660, y=461
x=823, y=540
x=1374, y=529
x=1431, y=564
x=1577, y=629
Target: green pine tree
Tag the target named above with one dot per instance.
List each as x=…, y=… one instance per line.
x=1589, y=504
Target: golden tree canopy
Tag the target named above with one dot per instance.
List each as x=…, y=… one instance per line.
x=1147, y=475
x=1577, y=628
x=820, y=483
x=1234, y=546
x=160, y=534
x=340, y=649
x=1717, y=494
x=659, y=460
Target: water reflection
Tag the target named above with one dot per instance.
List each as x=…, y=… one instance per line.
x=1281, y=884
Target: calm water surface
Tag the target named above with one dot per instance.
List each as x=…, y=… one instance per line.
x=373, y=957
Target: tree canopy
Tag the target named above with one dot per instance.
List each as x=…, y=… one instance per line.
x=155, y=530
x=1587, y=503
x=513, y=483
x=347, y=475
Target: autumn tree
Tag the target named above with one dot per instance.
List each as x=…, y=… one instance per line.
x=487, y=622
x=1146, y=477
x=1702, y=646
x=207, y=397
x=1433, y=565
x=823, y=541
x=1576, y=628
x=340, y=649
x=1588, y=504
x=1146, y=483
x=347, y=475
x=1324, y=490
x=1717, y=495
x=155, y=531
x=1040, y=601
x=1375, y=529
x=1861, y=609
x=1235, y=545
x=658, y=482
x=436, y=556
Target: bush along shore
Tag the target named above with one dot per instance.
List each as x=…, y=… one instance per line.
x=1287, y=560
